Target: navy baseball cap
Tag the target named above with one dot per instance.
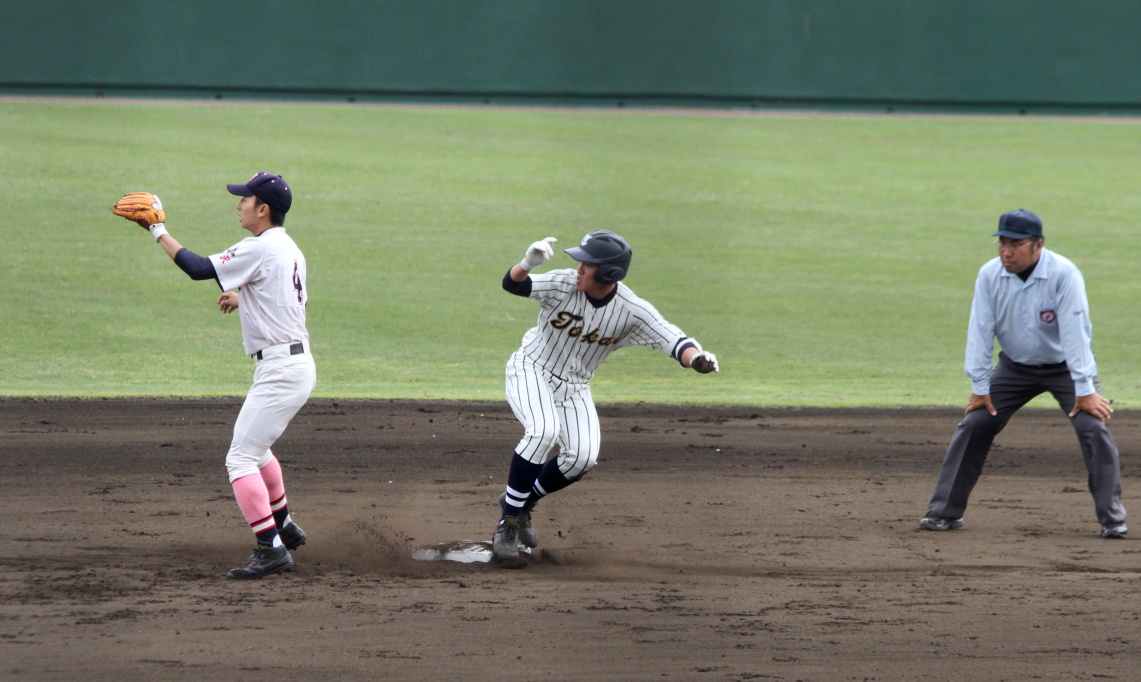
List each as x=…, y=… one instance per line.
x=269, y=188
x=1019, y=224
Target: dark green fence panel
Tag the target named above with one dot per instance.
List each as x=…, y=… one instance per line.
x=942, y=53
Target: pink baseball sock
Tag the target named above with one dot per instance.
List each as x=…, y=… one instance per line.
x=253, y=499
x=275, y=485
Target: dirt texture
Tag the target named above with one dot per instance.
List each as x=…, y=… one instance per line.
x=709, y=544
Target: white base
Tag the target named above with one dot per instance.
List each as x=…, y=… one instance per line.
x=463, y=551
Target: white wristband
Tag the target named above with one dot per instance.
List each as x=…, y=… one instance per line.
x=523, y=264
x=158, y=230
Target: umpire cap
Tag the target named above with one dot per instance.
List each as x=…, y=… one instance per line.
x=608, y=251
x=1020, y=224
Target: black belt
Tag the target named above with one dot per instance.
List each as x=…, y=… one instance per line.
x=294, y=349
x=1052, y=365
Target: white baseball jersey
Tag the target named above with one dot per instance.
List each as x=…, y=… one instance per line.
x=270, y=271
x=572, y=337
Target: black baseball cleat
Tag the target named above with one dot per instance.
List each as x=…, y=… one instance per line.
x=526, y=532
x=292, y=536
x=936, y=522
x=505, y=544
x=1114, y=530
x=264, y=561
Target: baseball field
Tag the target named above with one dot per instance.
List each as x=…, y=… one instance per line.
x=759, y=523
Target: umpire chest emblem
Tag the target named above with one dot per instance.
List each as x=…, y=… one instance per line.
x=1047, y=316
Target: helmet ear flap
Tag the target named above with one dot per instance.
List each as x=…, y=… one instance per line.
x=609, y=274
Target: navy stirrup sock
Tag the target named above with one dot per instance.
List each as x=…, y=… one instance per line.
x=520, y=478
x=550, y=479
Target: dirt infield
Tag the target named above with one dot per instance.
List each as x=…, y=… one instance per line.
x=709, y=544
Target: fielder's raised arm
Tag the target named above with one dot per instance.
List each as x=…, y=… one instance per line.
x=146, y=210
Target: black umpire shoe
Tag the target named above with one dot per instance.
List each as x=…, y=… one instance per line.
x=936, y=522
x=505, y=544
x=264, y=561
x=526, y=532
x=292, y=536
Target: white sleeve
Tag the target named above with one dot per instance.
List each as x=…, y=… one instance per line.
x=239, y=264
x=551, y=288
x=1075, y=331
x=653, y=331
x=979, y=357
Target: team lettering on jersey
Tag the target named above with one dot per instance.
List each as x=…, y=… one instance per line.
x=564, y=320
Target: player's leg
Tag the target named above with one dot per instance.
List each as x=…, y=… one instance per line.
x=270, y=556
x=1010, y=389
x=1101, y=458
x=579, y=441
x=290, y=533
x=278, y=392
x=271, y=474
x=529, y=395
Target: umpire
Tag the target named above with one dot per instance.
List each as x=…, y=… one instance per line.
x=1034, y=302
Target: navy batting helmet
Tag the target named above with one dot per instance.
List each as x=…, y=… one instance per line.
x=608, y=251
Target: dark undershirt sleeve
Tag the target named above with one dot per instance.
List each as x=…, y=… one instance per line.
x=518, y=288
x=198, y=267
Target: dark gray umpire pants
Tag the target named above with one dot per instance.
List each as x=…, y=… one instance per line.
x=1011, y=386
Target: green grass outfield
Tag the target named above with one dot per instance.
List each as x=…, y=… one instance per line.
x=828, y=260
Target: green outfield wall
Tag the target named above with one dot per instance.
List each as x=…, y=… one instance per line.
x=950, y=54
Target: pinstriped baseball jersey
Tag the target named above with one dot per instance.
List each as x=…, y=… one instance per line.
x=572, y=337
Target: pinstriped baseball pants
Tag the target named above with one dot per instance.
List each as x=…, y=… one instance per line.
x=553, y=412
x=1011, y=386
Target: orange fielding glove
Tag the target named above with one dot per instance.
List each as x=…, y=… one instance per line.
x=145, y=209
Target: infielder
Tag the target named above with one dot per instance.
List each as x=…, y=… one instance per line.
x=585, y=315
x=1034, y=302
x=263, y=277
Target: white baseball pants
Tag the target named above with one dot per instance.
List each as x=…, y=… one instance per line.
x=553, y=412
x=282, y=384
